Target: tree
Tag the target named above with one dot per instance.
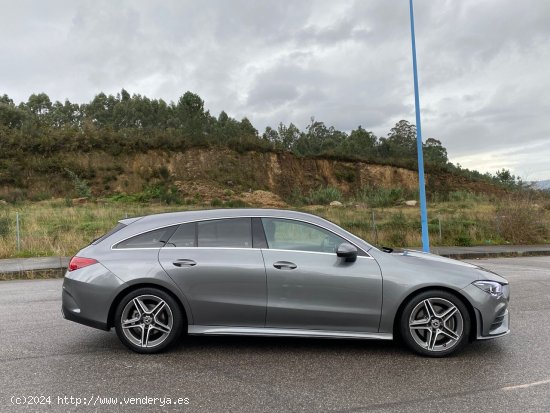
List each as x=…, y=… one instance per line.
x=190, y=105
x=39, y=105
x=247, y=128
x=100, y=110
x=434, y=152
x=190, y=110
x=10, y=115
x=289, y=135
x=401, y=141
x=359, y=143
x=505, y=177
x=65, y=114
x=318, y=139
x=272, y=137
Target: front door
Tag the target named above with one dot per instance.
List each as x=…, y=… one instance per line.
x=309, y=287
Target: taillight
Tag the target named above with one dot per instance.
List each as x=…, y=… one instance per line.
x=80, y=262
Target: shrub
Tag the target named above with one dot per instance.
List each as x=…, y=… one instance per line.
x=235, y=203
x=296, y=197
x=519, y=221
x=382, y=197
x=4, y=226
x=81, y=188
x=463, y=241
x=321, y=196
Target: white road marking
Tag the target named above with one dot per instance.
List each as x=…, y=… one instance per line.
x=524, y=386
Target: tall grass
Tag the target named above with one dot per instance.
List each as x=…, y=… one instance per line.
x=323, y=196
x=57, y=227
x=376, y=197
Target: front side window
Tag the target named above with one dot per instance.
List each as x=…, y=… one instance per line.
x=286, y=234
x=152, y=239
x=228, y=233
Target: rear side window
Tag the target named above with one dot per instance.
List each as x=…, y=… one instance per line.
x=229, y=233
x=108, y=234
x=185, y=236
x=152, y=239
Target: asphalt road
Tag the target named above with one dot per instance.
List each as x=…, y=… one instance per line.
x=43, y=355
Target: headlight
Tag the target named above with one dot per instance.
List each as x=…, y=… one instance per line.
x=490, y=287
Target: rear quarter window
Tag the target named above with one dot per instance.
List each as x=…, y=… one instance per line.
x=108, y=234
x=152, y=239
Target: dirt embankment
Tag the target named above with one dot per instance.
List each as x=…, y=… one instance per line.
x=215, y=173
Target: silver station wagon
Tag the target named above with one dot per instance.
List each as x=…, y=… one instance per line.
x=275, y=273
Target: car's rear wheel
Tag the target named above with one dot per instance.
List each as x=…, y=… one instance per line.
x=148, y=320
x=435, y=323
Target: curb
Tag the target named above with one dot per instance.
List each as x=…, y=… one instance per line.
x=503, y=254
x=41, y=274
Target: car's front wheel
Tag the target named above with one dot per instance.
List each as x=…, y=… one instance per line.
x=148, y=320
x=435, y=323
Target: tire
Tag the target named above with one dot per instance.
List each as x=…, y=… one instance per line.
x=148, y=320
x=435, y=323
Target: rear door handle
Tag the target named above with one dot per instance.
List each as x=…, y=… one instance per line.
x=284, y=265
x=184, y=263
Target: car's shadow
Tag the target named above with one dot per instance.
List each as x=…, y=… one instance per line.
x=282, y=344
x=351, y=347
x=221, y=347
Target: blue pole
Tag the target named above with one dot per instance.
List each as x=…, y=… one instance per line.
x=421, y=184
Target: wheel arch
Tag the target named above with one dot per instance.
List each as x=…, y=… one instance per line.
x=458, y=294
x=132, y=287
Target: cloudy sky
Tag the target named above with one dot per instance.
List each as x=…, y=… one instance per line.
x=484, y=66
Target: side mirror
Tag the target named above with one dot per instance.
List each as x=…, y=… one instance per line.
x=347, y=251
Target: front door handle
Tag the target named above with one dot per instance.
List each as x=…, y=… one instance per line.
x=284, y=265
x=184, y=263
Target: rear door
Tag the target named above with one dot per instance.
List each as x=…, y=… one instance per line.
x=309, y=287
x=220, y=272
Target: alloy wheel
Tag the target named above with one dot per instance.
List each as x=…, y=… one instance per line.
x=436, y=324
x=147, y=321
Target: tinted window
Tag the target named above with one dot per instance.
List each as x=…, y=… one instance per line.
x=295, y=235
x=236, y=233
x=108, y=234
x=184, y=236
x=152, y=239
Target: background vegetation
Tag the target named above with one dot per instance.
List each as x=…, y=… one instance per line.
x=134, y=123
x=39, y=141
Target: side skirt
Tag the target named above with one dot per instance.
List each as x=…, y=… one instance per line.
x=283, y=332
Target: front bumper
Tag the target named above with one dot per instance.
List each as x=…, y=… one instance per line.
x=491, y=313
x=500, y=327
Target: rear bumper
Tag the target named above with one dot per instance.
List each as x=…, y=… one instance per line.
x=88, y=294
x=71, y=315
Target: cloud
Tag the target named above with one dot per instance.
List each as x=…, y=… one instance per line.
x=482, y=64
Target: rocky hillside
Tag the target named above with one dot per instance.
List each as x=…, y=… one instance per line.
x=210, y=174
